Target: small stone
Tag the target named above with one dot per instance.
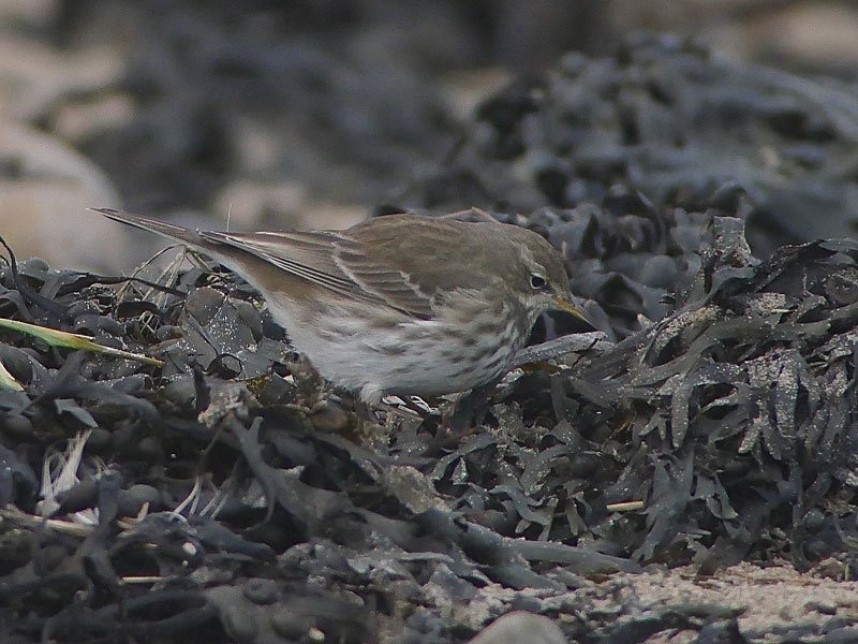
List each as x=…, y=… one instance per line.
x=520, y=626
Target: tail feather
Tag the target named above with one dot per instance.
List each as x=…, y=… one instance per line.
x=185, y=235
x=240, y=258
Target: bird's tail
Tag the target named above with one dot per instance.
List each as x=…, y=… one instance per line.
x=179, y=233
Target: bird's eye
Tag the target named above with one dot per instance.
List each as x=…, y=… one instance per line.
x=537, y=282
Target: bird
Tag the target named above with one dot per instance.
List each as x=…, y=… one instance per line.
x=400, y=304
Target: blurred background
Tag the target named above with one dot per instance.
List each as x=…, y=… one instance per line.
x=315, y=113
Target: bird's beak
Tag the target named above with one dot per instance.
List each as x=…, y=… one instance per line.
x=563, y=304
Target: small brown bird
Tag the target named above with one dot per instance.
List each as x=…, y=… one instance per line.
x=400, y=304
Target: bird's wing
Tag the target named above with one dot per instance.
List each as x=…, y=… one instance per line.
x=306, y=255
x=383, y=279
x=401, y=262
x=415, y=263
x=318, y=258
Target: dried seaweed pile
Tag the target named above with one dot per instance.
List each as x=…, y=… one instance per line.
x=735, y=416
x=670, y=119
x=235, y=495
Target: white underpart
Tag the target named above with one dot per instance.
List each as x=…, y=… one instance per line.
x=375, y=362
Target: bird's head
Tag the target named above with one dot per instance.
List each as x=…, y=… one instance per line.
x=541, y=282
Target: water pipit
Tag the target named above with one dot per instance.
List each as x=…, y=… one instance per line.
x=401, y=304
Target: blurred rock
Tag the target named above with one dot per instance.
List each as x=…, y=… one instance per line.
x=820, y=35
x=36, y=79
x=817, y=36
x=46, y=189
x=256, y=205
